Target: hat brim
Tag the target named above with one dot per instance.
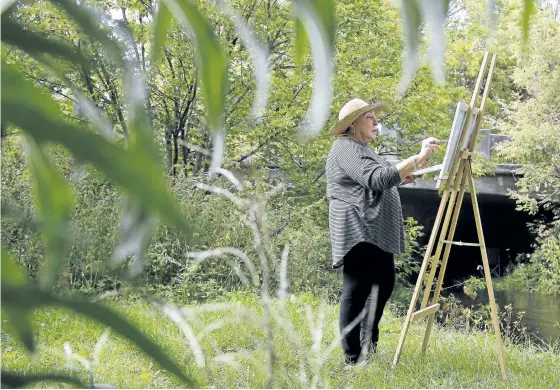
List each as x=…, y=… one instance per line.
x=345, y=122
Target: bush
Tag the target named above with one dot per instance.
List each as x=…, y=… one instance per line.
x=539, y=271
x=215, y=221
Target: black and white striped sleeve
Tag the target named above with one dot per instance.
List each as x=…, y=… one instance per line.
x=364, y=169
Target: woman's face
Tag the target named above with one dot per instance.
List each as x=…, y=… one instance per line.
x=366, y=127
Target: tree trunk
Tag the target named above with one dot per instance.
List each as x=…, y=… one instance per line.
x=168, y=150
x=185, y=150
x=175, y=152
x=200, y=156
x=110, y=86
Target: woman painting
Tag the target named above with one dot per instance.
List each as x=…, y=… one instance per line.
x=365, y=222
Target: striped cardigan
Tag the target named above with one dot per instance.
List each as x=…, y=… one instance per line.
x=364, y=204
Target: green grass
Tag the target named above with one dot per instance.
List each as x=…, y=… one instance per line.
x=233, y=348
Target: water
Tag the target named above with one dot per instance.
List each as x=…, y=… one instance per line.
x=541, y=312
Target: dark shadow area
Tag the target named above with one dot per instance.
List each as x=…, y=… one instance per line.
x=505, y=231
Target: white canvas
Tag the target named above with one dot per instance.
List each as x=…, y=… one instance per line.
x=456, y=127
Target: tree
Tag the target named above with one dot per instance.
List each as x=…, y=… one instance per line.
x=533, y=123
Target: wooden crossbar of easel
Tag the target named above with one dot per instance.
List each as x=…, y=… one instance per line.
x=453, y=187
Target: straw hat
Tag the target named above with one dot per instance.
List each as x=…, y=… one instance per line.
x=350, y=112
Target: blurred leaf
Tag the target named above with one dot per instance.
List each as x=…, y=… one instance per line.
x=6, y=5
x=318, y=18
x=11, y=272
x=259, y=55
x=137, y=222
x=136, y=96
x=300, y=42
x=135, y=231
x=54, y=201
x=213, y=66
x=25, y=106
x=213, y=62
x=528, y=10
x=326, y=12
x=412, y=19
x=435, y=14
x=161, y=26
x=87, y=22
x=18, y=318
x=14, y=380
x=491, y=13
x=35, y=44
x=31, y=298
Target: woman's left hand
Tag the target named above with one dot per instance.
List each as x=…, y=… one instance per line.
x=410, y=178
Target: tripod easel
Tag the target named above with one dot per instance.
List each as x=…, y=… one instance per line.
x=453, y=186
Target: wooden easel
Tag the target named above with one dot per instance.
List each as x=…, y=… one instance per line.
x=459, y=176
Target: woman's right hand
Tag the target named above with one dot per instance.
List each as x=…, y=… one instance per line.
x=428, y=146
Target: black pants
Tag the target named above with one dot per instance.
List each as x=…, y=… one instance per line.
x=368, y=281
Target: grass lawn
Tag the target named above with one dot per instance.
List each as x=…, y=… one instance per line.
x=307, y=354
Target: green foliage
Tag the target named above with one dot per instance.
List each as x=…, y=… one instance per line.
x=24, y=106
x=16, y=381
x=69, y=73
x=539, y=271
x=456, y=315
x=533, y=124
x=406, y=263
x=472, y=285
x=54, y=204
x=289, y=222
x=213, y=63
x=232, y=343
x=19, y=317
x=162, y=24
x=19, y=298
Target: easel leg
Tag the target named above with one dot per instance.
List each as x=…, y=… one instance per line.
x=437, y=255
x=456, y=212
x=487, y=275
x=419, y=282
x=453, y=204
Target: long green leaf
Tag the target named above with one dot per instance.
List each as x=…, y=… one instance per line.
x=528, y=10
x=259, y=56
x=318, y=18
x=14, y=380
x=412, y=19
x=326, y=12
x=135, y=236
x=37, y=114
x=135, y=233
x=54, y=201
x=213, y=62
x=435, y=14
x=18, y=318
x=31, y=298
x=300, y=43
x=11, y=272
x=161, y=26
x=35, y=44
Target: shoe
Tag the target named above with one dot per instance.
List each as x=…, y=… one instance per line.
x=362, y=364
